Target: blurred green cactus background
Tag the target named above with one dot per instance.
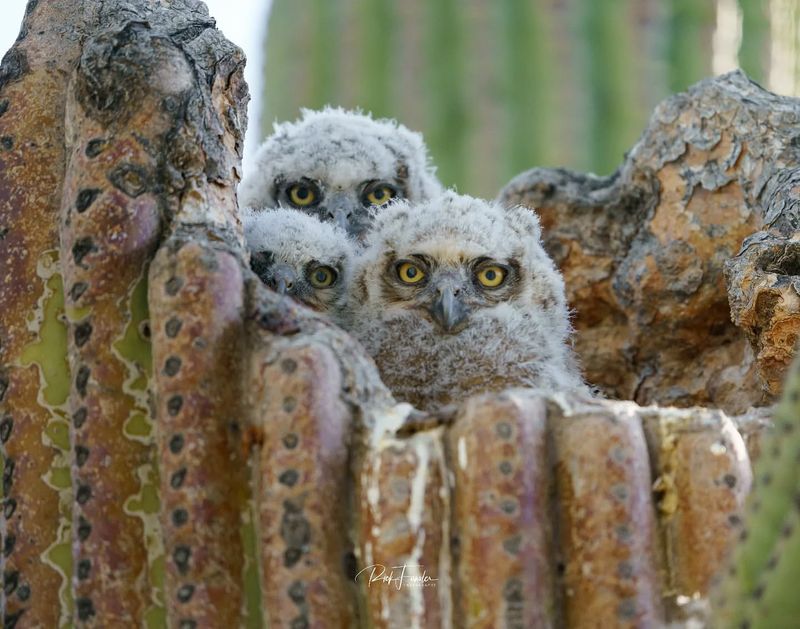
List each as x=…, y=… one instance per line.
x=504, y=85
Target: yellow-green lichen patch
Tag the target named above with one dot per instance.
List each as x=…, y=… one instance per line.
x=57, y=432
x=146, y=501
x=139, y=428
x=48, y=352
x=59, y=478
x=145, y=505
x=253, y=618
x=59, y=557
x=133, y=349
x=156, y=616
x=74, y=314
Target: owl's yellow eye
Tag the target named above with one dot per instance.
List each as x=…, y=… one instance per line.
x=322, y=277
x=379, y=194
x=410, y=273
x=491, y=276
x=302, y=194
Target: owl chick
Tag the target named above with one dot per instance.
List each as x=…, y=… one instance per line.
x=339, y=166
x=456, y=296
x=298, y=255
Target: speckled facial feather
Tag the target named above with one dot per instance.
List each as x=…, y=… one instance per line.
x=515, y=335
x=340, y=154
x=300, y=241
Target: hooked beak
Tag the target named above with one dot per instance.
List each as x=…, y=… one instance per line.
x=341, y=219
x=448, y=310
x=283, y=279
x=339, y=212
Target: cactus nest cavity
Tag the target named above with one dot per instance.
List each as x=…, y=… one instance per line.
x=180, y=447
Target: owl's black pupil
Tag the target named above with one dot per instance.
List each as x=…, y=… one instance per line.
x=490, y=275
x=321, y=276
x=302, y=193
x=412, y=272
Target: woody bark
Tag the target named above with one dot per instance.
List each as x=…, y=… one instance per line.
x=682, y=265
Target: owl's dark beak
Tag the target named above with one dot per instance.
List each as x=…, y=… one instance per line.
x=448, y=310
x=340, y=211
x=282, y=279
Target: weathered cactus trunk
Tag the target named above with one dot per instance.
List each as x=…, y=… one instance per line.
x=196, y=297
x=552, y=518
x=312, y=393
x=606, y=519
x=151, y=133
x=34, y=376
x=110, y=228
x=404, y=529
x=300, y=436
x=182, y=447
x=504, y=564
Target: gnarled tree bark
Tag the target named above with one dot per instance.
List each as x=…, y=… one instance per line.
x=645, y=251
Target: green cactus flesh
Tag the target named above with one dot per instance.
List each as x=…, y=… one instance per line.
x=766, y=564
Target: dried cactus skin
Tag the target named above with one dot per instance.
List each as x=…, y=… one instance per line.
x=504, y=566
x=605, y=517
x=33, y=368
x=590, y=539
x=754, y=426
x=404, y=523
x=643, y=251
x=342, y=388
x=763, y=279
x=302, y=466
x=196, y=307
x=754, y=591
x=111, y=227
x=703, y=479
x=154, y=130
x=297, y=333
x=195, y=288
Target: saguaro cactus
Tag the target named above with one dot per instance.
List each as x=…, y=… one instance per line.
x=183, y=447
x=34, y=377
x=152, y=126
x=110, y=228
x=757, y=591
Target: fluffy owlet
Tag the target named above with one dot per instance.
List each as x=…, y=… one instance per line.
x=339, y=166
x=298, y=255
x=456, y=296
